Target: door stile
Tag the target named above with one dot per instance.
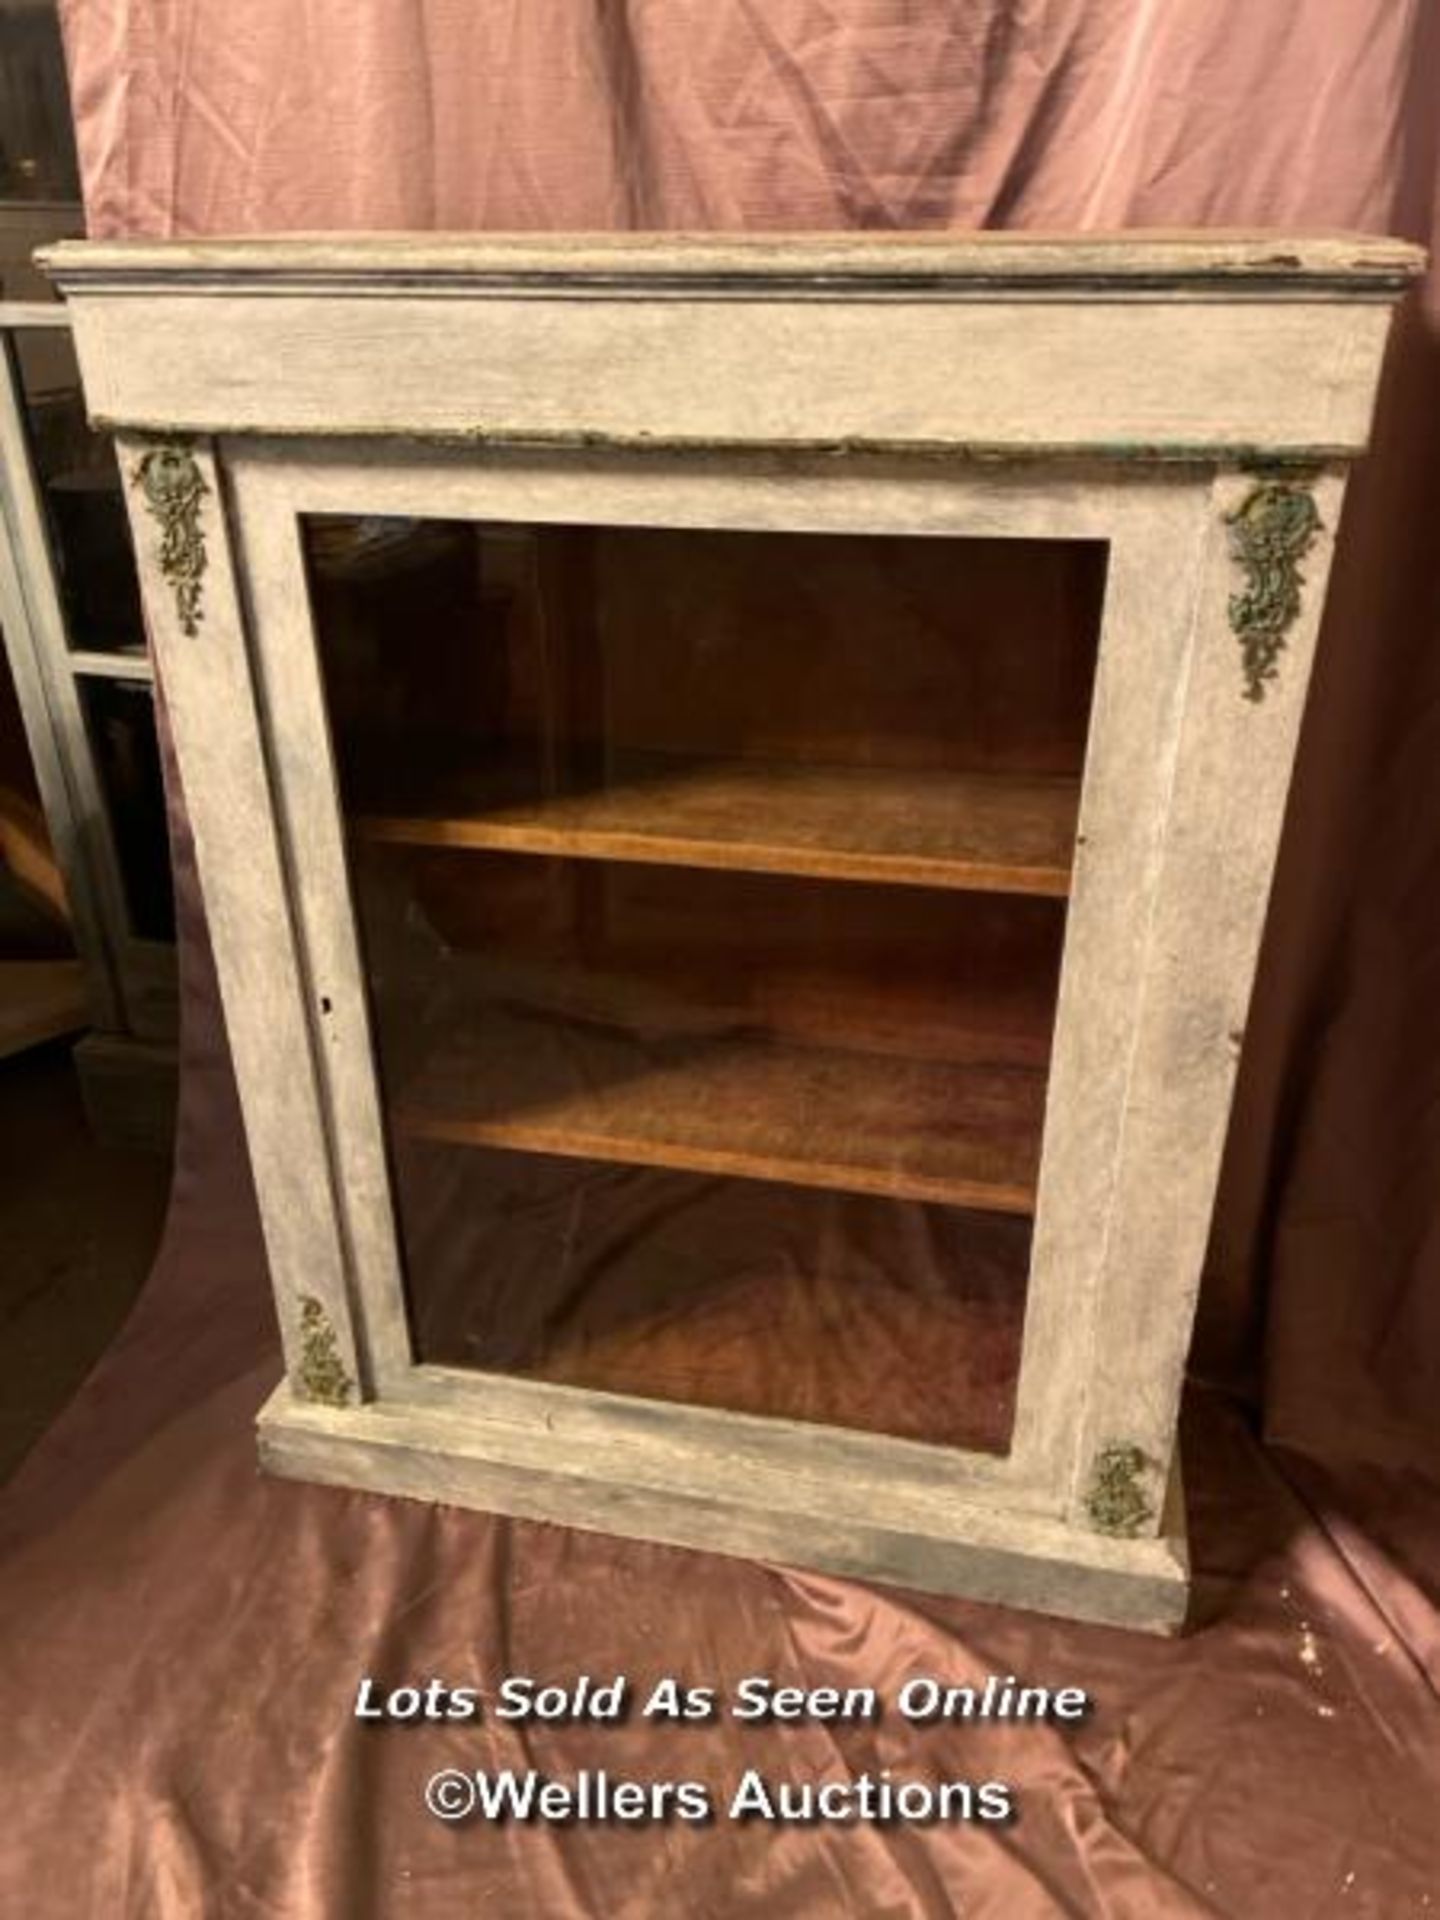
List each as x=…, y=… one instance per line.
x=176, y=495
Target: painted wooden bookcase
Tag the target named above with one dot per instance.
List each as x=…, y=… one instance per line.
x=735, y=783
x=74, y=640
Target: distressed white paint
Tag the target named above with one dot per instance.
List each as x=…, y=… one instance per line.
x=658, y=1488
x=1009, y=376
x=996, y=341
x=1190, y=261
x=1232, y=761
x=222, y=761
x=708, y=369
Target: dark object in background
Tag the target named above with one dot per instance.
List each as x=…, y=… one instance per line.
x=120, y=718
x=95, y=561
x=37, y=145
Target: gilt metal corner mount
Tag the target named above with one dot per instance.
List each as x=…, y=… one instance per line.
x=1117, y=1502
x=322, y=1376
x=1271, y=531
x=170, y=479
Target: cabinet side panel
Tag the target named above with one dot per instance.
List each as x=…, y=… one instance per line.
x=175, y=495
x=1232, y=772
x=1159, y=536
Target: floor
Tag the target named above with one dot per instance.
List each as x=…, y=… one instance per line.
x=79, y=1225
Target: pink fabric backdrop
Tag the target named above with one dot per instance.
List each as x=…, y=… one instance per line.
x=191, y=1636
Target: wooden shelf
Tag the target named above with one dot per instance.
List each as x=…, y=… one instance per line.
x=734, y=1103
x=1004, y=833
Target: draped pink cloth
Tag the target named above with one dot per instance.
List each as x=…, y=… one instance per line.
x=185, y=1640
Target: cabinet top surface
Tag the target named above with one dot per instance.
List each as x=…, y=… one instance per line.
x=1137, y=261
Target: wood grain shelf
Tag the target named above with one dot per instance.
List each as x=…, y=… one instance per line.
x=1004, y=833
x=734, y=1103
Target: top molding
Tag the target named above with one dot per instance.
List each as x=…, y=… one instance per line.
x=1133, y=347
x=1187, y=265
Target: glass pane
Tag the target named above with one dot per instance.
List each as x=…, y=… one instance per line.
x=740, y=1294
x=120, y=719
x=712, y=892
x=80, y=486
x=33, y=922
